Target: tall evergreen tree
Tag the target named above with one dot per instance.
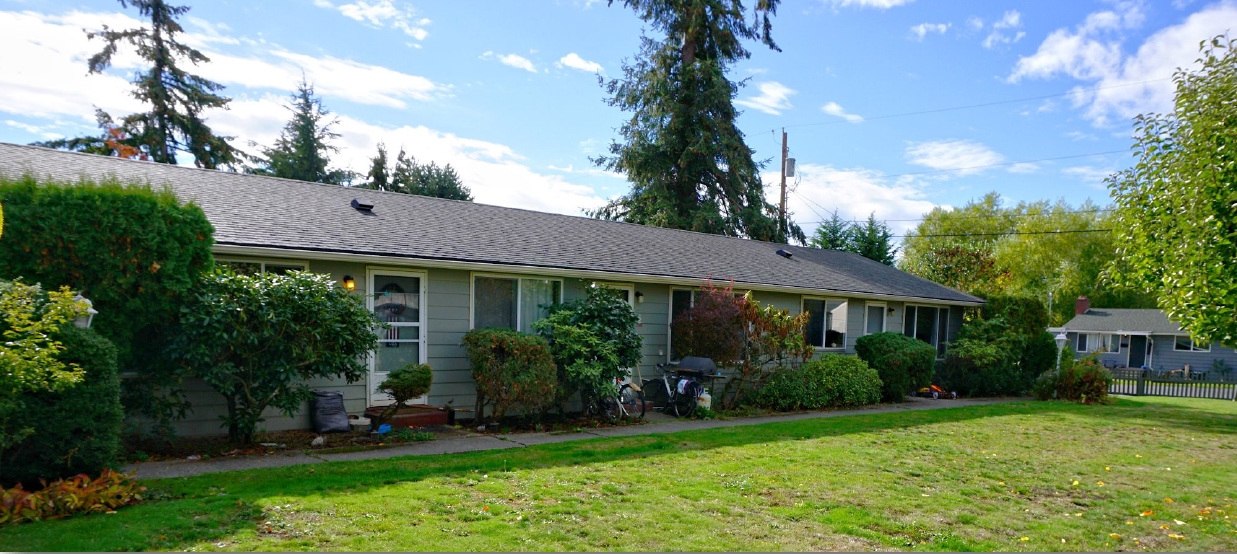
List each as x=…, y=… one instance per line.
x=302, y=151
x=410, y=177
x=681, y=149
x=176, y=98
x=833, y=234
x=873, y=240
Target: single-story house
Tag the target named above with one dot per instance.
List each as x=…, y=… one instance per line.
x=436, y=268
x=1139, y=338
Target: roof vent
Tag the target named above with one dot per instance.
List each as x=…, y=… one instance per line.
x=784, y=253
x=362, y=207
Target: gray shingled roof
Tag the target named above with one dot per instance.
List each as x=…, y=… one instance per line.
x=1136, y=321
x=249, y=210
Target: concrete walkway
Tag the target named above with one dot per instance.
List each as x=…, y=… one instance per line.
x=476, y=442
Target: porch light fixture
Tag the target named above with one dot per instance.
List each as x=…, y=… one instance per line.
x=639, y=297
x=890, y=311
x=83, y=321
x=349, y=283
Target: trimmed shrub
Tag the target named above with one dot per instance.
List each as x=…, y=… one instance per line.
x=1026, y=315
x=511, y=369
x=406, y=383
x=833, y=380
x=593, y=341
x=257, y=339
x=75, y=430
x=1085, y=380
x=904, y=364
x=1001, y=352
x=133, y=251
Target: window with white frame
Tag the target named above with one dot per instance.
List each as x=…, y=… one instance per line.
x=826, y=327
x=874, y=318
x=681, y=302
x=1188, y=344
x=929, y=324
x=254, y=267
x=1080, y=344
x=512, y=302
x=1112, y=343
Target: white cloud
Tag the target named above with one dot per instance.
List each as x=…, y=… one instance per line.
x=878, y=4
x=774, y=98
x=921, y=30
x=836, y=110
x=975, y=22
x=1093, y=52
x=819, y=192
x=1002, y=30
x=953, y=154
x=381, y=14
x=574, y=61
x=1024, y=167
x=1088, y=174
x=513, y=60
x=587, y=171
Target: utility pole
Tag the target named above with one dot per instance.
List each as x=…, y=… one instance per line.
x=784, y=152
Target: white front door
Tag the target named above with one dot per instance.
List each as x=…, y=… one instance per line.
x=398, y=299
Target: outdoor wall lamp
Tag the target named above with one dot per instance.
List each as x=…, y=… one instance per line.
x=639, y=297
x=890, y=311
x=83, y=321
x=349, y=283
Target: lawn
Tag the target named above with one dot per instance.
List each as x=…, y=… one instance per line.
x=1142, y=474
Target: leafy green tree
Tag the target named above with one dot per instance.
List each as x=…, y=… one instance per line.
x=873, y=240
x=256, y=339
x=302, y=151
x=593, y=341
x=1176, y=216
x=1030, y=249
x=833, y=234
x=681, y=149
x=410, y=177
x=176, y=98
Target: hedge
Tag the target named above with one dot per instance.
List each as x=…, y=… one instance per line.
x=76, y=430
x=903, y=363
x=831, y=381
x=511, y=369
x=132, y=250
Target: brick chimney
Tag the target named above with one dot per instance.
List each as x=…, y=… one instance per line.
x=1082, y=305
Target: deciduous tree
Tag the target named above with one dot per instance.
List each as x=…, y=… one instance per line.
x=1176, y=216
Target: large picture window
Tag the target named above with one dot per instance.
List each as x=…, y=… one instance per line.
x=826, y=327
x=1187, y=344
x=929, y=324
x=681, y=301
x=512, y=302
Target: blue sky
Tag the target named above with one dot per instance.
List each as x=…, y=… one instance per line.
x=507, y=91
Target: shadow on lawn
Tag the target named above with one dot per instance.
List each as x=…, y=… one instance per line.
x=210, y=508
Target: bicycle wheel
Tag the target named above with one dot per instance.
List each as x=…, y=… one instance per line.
x=609, y=408
x=632, y=401
x=685, y=404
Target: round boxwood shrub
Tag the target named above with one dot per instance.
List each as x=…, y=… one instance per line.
x=832, y=381
x=903, y=363
x=511, y=369
x=76, y=430
x=406, y=383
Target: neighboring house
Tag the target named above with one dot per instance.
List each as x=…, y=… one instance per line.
x=1139, y=338
x=436, y=268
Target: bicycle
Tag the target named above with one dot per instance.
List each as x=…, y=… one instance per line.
x=679, y=386
x=628, y=403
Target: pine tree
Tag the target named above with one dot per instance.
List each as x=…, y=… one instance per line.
x=873, y=240
x=681, y=149
x=410, y=177
x=833, y=234
x=176, y=98
x=302, y=151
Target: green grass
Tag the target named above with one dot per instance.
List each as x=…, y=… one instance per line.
x=975, y=478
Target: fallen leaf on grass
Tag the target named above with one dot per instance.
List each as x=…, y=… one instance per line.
x=1129, y=523
x=1075, y=483
x=1176, y=536
x=1205, y=511
x=1024, y=539
x=1106, y=468
x=1178, y=522
x=1138, y=455
x=1146, y=513
x=1168, y=500
x=1115, y=536
x=1164, y=526
x=1100, y=483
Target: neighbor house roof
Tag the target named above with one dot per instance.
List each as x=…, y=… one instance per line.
x=266, y=212
x=1127, y=320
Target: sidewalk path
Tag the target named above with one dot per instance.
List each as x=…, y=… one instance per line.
x=478, y=442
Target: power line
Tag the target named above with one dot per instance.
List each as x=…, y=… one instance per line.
x=953, y=215
x=1007, y=234
x=1003, y=164
x=984, y=105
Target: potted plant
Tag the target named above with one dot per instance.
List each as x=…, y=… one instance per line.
x=402, y=385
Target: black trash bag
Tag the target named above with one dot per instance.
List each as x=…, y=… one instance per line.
x=328, y=412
